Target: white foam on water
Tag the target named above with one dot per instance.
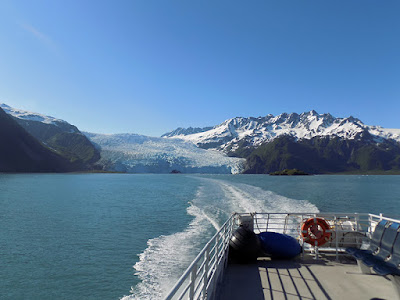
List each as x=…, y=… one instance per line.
x=240, y=197
x=166, y=257
x=246, y=198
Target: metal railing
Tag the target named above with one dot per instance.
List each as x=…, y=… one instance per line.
x=201, y=278
x=347, y=229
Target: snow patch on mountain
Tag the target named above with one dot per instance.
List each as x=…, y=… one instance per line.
x=31, y=116
x=135, y=153
x=385, y=133
x=256, y=131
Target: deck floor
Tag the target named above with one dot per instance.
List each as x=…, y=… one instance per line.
x=303, y=278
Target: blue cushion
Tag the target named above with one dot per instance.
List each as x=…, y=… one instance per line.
x=384, y=269
x=279, y=245
x=371, y=261
x=351, y=250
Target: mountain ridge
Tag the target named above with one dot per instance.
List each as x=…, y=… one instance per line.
x=254, y=131
x=21, y=152
x=321, y=155
x=58, y=135
x=312, y=142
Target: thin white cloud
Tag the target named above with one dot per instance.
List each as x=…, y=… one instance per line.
x=43, y=38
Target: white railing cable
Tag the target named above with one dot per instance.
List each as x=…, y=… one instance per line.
x=197, y=285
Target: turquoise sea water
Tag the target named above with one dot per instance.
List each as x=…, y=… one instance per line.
x=112, y=236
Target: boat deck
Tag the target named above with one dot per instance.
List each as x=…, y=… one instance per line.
x=303, y=278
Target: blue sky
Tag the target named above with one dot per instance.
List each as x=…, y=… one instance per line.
x=149, y=67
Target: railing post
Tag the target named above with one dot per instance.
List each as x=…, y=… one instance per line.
x=357, y=221
x=216, y=246
x=336, y=238
x=370, y=226
x=206, y=269
x=192, y=282
x=224, y=236
x=358, y=229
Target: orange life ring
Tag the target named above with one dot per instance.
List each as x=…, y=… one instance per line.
x=316, y=231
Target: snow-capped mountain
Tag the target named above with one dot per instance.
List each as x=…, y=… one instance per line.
x=134, y=153
x=36, y=117
x=58, y=135
x=239, y=131
x=21, y=152
x=312, y=142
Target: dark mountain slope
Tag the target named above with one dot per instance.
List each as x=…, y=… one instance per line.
x=58, y=135
x=65, y=139
x=21, y=152
x=325, y=155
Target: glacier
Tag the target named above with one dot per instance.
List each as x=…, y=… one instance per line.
x=133, y=153
x=204, y=150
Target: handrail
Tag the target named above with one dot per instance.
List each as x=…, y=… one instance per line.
x=380, y=217
x=200, y=276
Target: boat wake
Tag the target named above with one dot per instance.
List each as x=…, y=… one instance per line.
x=224, y=198
x=166, y=257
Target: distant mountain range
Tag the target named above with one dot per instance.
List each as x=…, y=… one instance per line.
x=235, y=133
x=311, y=142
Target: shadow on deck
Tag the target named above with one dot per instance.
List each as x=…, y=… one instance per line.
x=305, y=278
